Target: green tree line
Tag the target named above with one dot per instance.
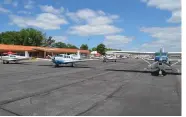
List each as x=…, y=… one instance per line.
x=33, y=37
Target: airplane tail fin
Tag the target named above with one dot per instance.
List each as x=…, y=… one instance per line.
x=26, y=54
x=78, y=54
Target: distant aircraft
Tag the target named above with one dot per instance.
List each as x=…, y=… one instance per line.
x=66, y=59
x=12, y=57
x=112, y=58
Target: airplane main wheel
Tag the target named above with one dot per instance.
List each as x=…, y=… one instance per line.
x=164, y=73
x=115, y=60
x=4, y=62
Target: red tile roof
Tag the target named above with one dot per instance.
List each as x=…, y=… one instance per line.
x=19, y=48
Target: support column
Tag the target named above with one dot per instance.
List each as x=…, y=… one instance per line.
x=44, y=54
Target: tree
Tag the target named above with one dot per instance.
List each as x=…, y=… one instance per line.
x=71, y=46
x=84, y=47
x=27, y=37
x=48, y=42
x=94, y=49
x=101, y=49
x=31, y=37
x=59, y=45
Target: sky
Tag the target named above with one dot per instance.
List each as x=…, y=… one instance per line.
x=130, y=25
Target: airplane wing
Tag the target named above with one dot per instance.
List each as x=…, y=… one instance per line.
x=176, y=61
x=83, y=60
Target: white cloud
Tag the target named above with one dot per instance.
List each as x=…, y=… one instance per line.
x=93, y=23
x=51, y=9
x=45, y=21
x=29, y=4
x=100, y=20
x=60, y=38
x=117, y=41
x=87, y=30
x=173, y=6
x=3, y=10
x=176, y=17
x=167, y=37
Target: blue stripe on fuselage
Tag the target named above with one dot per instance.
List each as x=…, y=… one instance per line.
x=58, y=61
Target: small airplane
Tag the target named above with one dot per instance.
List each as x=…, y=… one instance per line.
x=12, y=57
x=66, y=59
x=112, y=58
x=161, y=62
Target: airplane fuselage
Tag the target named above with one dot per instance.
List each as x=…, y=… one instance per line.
x=65, y=59
x=14, y=58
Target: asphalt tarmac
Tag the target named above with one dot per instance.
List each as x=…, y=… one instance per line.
x=88, y=89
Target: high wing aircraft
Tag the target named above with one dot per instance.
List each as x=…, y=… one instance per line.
x=66, y=59
x=12, y=57
x=160, y=63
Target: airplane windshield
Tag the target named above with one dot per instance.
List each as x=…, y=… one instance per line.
x=59, y=55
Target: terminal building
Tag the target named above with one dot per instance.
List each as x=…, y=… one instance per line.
x=40, y=52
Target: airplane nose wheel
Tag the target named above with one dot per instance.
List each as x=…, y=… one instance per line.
x=73, y=64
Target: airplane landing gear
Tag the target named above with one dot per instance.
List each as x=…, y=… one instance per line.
x=5, y=62
x=55, y=65
x=73, y=64
x=159, y=73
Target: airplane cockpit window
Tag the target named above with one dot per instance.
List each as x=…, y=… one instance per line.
x=12, y=56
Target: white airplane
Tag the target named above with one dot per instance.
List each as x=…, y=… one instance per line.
x=12, y=57
x=112, y=58
x=66, y=59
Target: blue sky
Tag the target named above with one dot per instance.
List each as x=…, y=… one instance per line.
x=136, y=25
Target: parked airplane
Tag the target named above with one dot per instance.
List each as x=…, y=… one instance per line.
x=12, y=57
x=66, y=59
x=112, y=58
x=161, y=61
